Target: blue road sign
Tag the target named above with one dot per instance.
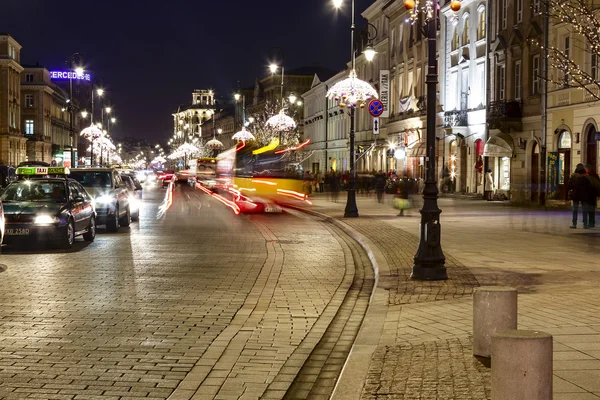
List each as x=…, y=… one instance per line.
x=375, y=107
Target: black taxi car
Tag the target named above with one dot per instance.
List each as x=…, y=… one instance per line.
x=44, y=205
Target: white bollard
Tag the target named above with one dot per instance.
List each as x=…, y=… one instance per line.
x=521, y=365
x=494, y=309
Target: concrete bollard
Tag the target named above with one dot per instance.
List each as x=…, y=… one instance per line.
x=494, y=309
x=521, y=365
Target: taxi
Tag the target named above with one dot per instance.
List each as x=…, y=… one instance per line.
x=44, y=205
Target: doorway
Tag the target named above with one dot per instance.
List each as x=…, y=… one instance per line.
x=564, y=164
x=535, y=172
x=591, y=154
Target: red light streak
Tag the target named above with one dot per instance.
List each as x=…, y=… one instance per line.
x=291, y=193
x=220, y=198
x=301, y=145
x=265, y=182
x=241, y=146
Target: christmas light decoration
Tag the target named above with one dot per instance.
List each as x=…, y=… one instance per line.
x=352, y=92
x=281, y=122
x=184, y=150
x=214, y=144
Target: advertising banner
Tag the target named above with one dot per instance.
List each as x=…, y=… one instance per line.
x=384, y=91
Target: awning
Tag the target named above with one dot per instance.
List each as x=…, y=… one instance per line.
x=500, y=145
x=418, y=150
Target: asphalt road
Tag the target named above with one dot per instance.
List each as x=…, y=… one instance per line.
x=193, y=300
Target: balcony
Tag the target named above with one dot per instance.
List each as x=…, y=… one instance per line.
x=455, y=118
x=505, y=115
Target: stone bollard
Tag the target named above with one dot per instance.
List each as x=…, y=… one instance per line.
x=494, y=309
x=521, y=365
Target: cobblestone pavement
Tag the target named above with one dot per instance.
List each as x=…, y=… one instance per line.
x=424, y=346
x=198, y=304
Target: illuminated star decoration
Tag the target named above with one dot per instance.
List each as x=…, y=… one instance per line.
x=243, y=135
x=281, y=122
x=352, y=92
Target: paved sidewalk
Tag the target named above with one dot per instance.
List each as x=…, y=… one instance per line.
x=416, y=340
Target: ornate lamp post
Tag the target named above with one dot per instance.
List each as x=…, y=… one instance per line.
x=351, y=92
x=76, y=58
x=243, y=135
x=430, y=260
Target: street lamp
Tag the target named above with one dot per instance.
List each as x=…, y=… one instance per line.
x=369, y=53
x=84, y=114
x=292, y=98
x=75, y=58
x=351, y=92
x=430, y=260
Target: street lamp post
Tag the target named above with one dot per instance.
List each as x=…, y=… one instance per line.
x=79, y=71
x=429, y=261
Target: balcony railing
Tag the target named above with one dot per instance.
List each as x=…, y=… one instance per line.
x=456, y=118
x=504, y=109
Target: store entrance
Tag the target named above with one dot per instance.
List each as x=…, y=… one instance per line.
x=564, y=164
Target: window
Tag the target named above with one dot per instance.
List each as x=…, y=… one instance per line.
x=29, y=78
x=536, y=7
x=501, y=82
x=28, y=101
x=481, y=24
x=465, y=32
x=29, y=128
x=503, y=12
x=454, y=44
x=517, y=79
x=594, y=67
x=565, y=140
x=519, y=10
x=535, y=74
x=393, y=42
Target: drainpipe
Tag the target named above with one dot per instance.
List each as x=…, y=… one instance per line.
x=544, y=101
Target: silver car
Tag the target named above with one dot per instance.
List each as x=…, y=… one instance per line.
x=110, y=195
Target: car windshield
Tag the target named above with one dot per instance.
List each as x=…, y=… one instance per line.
x=34, y=190
x=92, y=178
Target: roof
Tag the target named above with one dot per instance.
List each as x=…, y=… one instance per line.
x=92, y=169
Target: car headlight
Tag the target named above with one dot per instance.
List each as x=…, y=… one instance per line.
x=104, y=199
x=45, y=219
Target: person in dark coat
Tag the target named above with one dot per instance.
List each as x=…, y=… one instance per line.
x=593, y=195
x=579, y=193
x=380, y=181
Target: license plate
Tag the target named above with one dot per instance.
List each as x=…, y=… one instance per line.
x=17, y=232
x=272, y=209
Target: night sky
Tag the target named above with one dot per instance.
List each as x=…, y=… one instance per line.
x=152, y=54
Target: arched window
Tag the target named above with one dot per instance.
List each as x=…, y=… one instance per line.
x=465, y=31
x=565, y=140
x=454, y=45
x=481, y=22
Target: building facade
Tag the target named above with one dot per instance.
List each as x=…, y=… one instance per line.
x=12, y=142
x=44, y=116
x=189, y=118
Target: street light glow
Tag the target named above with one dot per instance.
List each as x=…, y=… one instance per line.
x=292, y=98
x=236, y=96
x=273, y=68
x=113, y=120
x=219, y=131
x=108, y=110
x=100, y=92
x=369, y=53
x=84, y=114
x=251, y=119
x=337, y=3
x=79, y=71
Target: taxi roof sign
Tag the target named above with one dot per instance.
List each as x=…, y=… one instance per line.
x=32, y=171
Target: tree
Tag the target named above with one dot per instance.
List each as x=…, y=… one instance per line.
x=264, y=134
x=576, y=23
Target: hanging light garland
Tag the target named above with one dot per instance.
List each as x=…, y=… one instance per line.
x=214, y=144
x=352, y=92
x=243, y=135
x=281, y=122
x=426, y=8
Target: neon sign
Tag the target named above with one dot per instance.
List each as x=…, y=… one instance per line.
x=70, y=75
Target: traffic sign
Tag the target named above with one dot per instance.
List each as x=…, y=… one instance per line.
x=375, y=125
x=375, y=107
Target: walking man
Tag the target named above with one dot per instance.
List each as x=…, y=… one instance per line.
x=579, y=191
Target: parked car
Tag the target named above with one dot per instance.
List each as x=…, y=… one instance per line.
x=110, y=195
x=8, y=174
x=44, y=205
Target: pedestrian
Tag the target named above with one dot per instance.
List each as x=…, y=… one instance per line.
x=594, y=194
x=334, y=185
x=380, y=181
x=489, y=185
x=402, y=200
x=321, y=183
x=579, y=191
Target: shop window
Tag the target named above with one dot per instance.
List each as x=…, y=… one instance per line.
x=504, y=169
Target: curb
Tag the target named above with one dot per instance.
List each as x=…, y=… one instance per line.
x=354, y=373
